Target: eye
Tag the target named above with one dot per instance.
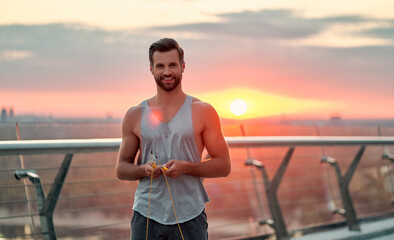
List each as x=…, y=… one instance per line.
x=159, y=66
x=173, y=64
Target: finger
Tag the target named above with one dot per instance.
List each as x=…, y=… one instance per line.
x=172, y=174
x=150, y=170
x=169, y=163
x=169, y=172
x=156, y=171
x=157, y=175
x=153, y=164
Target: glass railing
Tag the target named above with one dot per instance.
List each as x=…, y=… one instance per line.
x=278, y=186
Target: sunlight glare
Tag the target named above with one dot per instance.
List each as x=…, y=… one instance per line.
x=239, y=107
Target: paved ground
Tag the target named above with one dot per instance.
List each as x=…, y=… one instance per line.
x=376, y=230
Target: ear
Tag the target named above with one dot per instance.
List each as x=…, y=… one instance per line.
x=150, y=68
x=183, y=66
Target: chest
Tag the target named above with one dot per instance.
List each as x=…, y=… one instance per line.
x=165, y=115
x=167, y=122
x=182, y=125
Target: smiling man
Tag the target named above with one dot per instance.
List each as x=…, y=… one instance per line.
x=175, y=128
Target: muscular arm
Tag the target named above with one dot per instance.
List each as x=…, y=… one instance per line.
x=125, y=167
x=213, y=139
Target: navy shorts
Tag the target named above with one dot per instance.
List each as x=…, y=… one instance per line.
x=195, y=229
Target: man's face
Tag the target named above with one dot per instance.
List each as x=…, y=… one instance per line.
x=167, y=69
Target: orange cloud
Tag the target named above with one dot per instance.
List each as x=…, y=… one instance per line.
x=262, y=104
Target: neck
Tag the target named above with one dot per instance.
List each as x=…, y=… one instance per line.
x=165, y=98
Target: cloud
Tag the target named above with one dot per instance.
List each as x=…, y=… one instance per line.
x=346, y=35
x=68, y=57
x=347, y=58
x=284, y=51
x=385, y=32
x=292, y=28
x=14, y=55
x=265, y=24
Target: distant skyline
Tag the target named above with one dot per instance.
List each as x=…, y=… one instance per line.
x=300, y=59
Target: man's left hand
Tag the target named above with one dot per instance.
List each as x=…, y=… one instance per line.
x=175, y=168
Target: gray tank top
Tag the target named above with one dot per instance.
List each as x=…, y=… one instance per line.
x=172, y=140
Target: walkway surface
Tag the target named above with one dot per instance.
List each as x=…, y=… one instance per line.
x=377, y=230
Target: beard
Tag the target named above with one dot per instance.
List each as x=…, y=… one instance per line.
x=168, y=87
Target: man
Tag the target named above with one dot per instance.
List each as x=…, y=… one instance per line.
x=171, y=129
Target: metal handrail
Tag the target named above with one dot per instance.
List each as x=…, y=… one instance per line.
x=59, y=146
x=16, y=147
x=307, y=141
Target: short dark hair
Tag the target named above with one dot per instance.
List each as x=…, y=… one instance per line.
x=165, y=45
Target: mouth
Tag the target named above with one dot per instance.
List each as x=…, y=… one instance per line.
x=168, y=79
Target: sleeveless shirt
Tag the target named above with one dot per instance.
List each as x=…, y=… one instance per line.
x=172, y=140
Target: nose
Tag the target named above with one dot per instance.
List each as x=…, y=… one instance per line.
x=167, y=71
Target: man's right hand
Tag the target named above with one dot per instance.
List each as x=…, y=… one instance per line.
x=151, y=168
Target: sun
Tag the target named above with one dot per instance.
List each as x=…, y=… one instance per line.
x=238, y=107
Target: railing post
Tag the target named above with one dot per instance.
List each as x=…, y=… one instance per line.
x=271, y=188
x=47, y=227
x=57, y=185
x=344, y=181
x=389, y=157
x=46, y=206
x=252, y=173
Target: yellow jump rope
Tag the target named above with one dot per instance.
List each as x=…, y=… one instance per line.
x=154, y=165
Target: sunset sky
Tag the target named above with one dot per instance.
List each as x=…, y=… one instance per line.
x=295, y=59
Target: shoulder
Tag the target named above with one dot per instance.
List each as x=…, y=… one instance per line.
x=133, y=112
x=201, y=107
x=132, y=118
x=204, y=113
